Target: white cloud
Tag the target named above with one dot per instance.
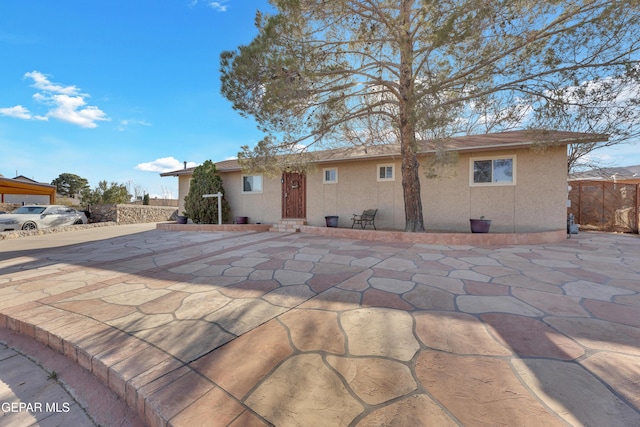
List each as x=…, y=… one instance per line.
x=125, y=124
x=299, y=148
x=72, y=109
x=65, y=103
x=19, y=112
x=218, y=6
x=164, y=164
x=41, y=82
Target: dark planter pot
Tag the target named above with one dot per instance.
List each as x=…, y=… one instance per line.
x=331, y=221
x=181, y=219
x=480, y=225
x=242, y=220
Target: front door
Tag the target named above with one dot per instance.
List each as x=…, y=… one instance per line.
x=294, y=195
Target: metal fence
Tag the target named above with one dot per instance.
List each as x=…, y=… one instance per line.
x=605, y=206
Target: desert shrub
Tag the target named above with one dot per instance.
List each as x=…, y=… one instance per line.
x=205, y=181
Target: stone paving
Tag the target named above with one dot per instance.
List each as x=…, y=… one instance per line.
x=259, y=329
x=31, y=396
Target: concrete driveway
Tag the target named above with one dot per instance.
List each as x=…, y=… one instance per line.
x=258, y=329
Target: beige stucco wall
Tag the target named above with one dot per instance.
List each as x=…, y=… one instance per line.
x=544, y=205
x=263, y=207
x=537, y=201
x=357, y=189
x=183, y=190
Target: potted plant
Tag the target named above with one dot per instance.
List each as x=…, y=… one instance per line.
x=182, y=219
x=331, y=220
x=480, y=225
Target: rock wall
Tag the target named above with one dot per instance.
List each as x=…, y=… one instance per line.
x=131, y=214
x=8, y=207
x=15, y=234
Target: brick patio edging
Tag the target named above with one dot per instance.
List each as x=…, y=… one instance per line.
x=172, y=226
x=474, y=239
x=139, y=400
x=107, y=358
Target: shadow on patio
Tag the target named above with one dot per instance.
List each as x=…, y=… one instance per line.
x=303, y=329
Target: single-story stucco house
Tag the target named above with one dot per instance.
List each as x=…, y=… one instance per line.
x=518, y=179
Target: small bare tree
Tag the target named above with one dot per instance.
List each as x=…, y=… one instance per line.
x=137, y=190
x=167, y=194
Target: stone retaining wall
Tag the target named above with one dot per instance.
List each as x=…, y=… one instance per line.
x=8, y=207
x=132, y=214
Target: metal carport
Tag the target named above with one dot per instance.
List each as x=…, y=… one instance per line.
x=13, y=186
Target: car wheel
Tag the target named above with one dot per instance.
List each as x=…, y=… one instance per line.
x=29, y=226
x=78, y=222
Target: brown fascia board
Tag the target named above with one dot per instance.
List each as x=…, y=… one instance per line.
x=188, y=171
x=519, y=144
x=23, y=184
x=527, y=138
x=13, y=186
x=520, y=139
x=552, y=137
x=386, y=156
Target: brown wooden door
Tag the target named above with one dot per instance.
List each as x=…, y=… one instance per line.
x=294, y=195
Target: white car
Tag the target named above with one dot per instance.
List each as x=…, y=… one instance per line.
x=41, y=216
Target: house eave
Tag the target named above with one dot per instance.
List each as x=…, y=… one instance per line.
x=464, y=144
x=188, y=171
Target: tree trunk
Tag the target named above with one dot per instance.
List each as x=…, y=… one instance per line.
x=411, y=189
x=408, y=147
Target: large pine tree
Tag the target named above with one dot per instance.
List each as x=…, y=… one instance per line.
x=361, y=72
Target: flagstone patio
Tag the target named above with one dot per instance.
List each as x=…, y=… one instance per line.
x=256, y=328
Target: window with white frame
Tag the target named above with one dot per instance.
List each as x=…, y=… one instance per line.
x=252, y=183
x=330, y=175
x=386, y=172
x=493, y=170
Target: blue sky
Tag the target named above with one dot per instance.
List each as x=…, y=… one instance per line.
x=118, y=90
x=122, y=90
